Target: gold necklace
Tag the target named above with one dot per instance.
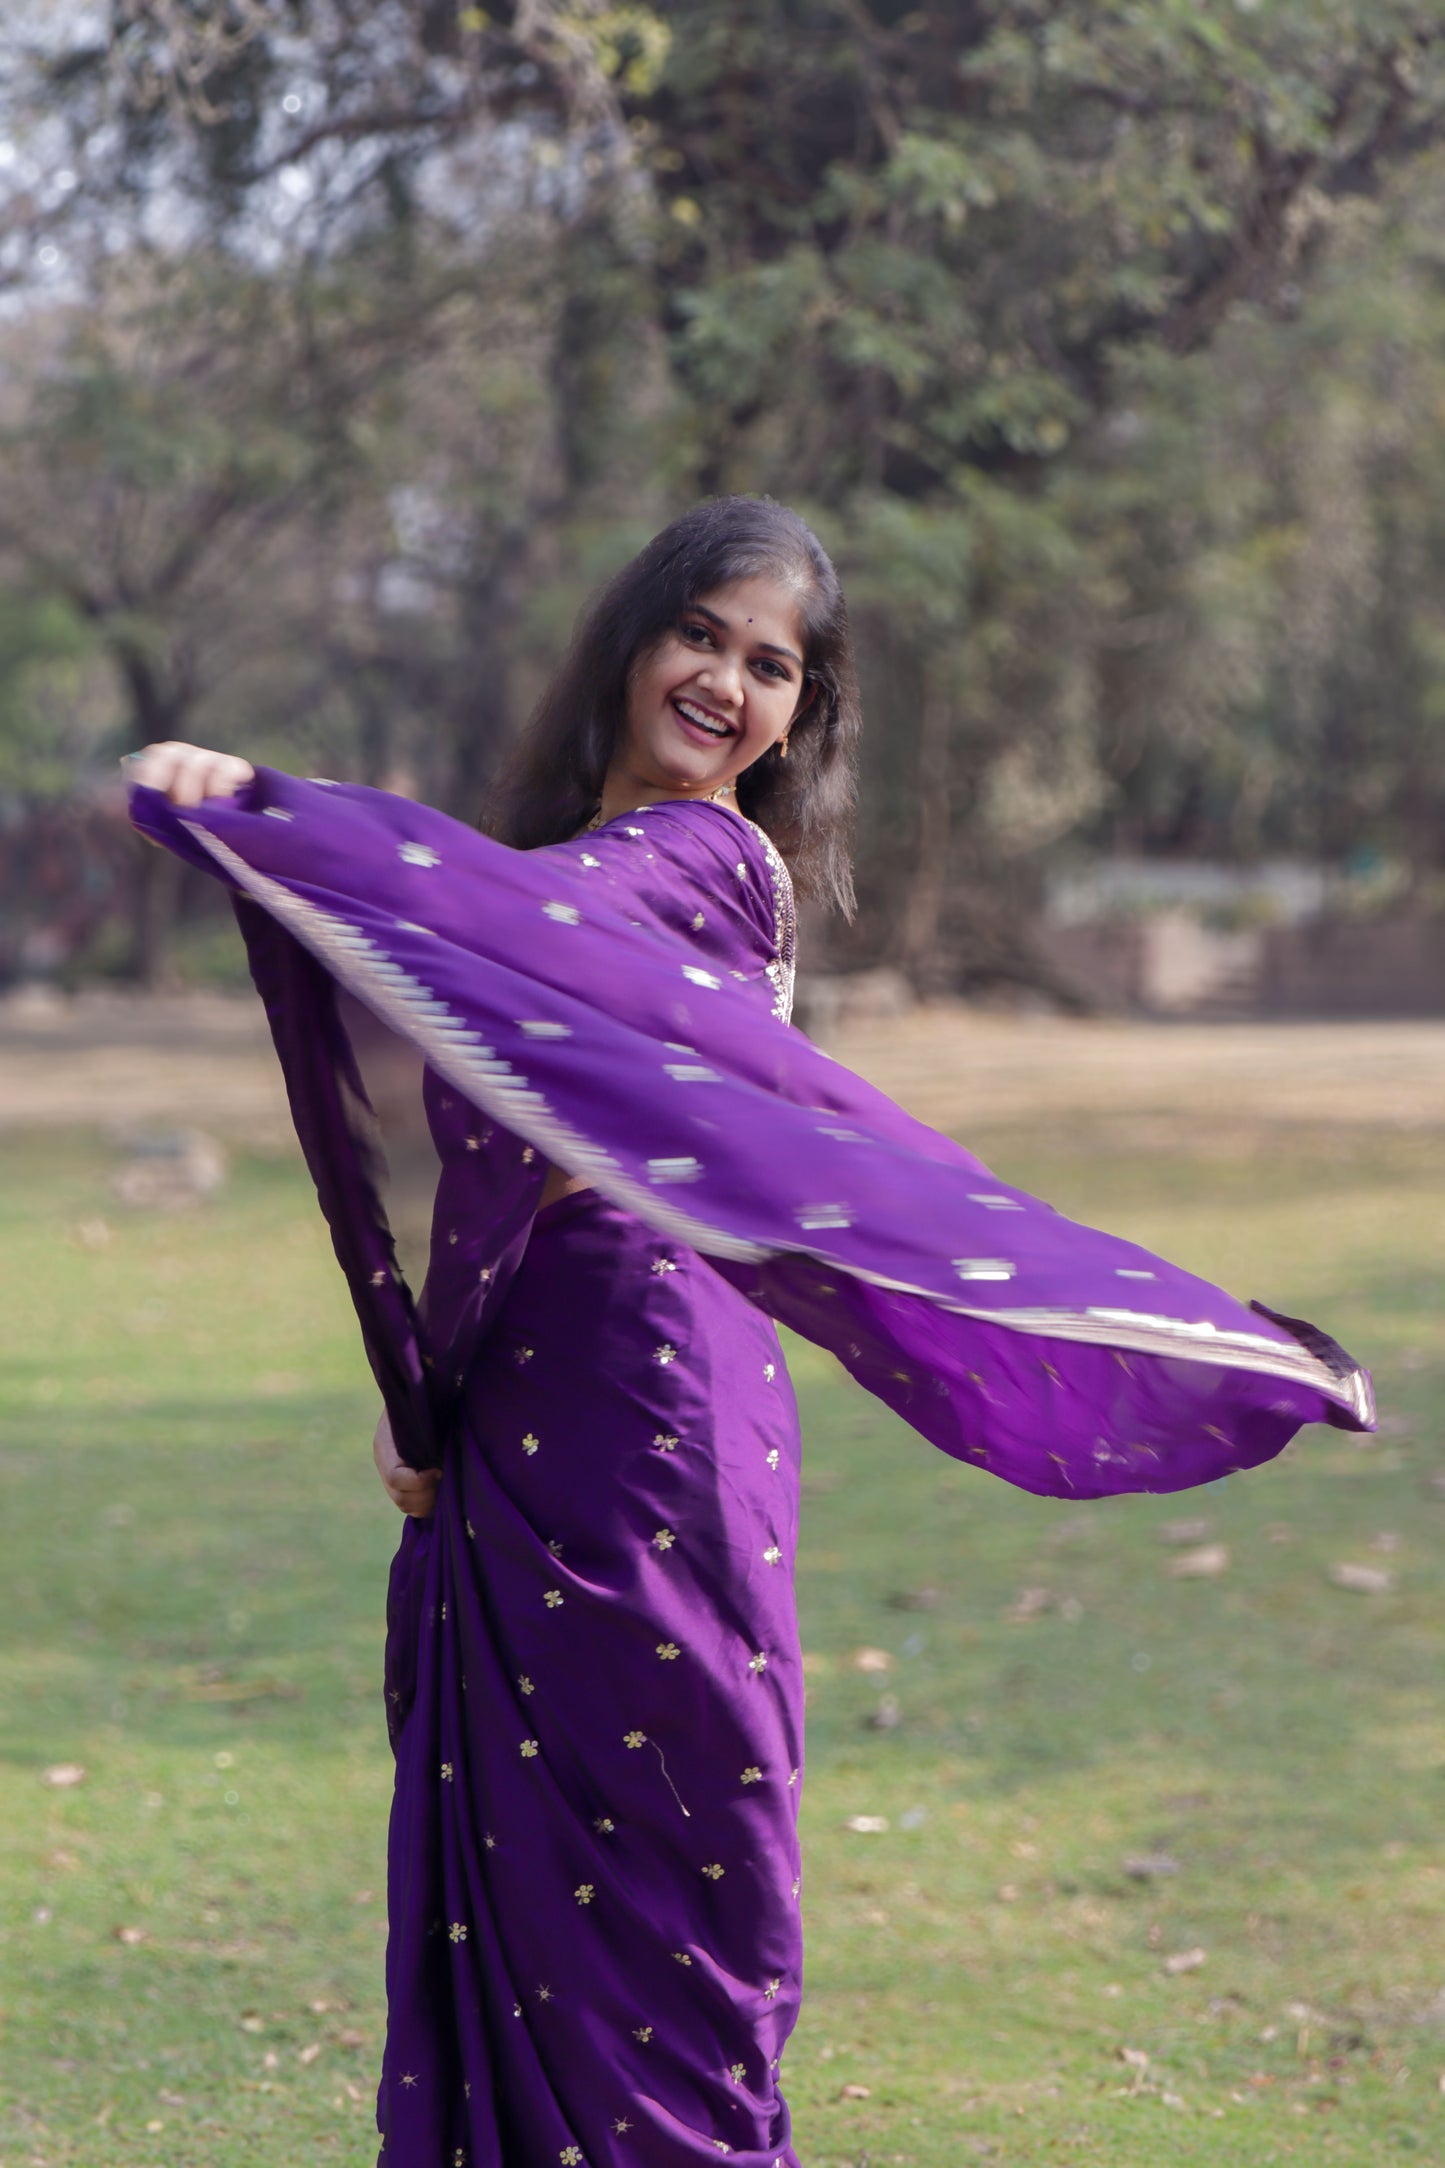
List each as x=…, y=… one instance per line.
x=707, y=797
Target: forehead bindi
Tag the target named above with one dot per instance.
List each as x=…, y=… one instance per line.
x=763, y=612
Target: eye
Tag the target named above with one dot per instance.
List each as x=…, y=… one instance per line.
x=774, y=670
x=695, y=632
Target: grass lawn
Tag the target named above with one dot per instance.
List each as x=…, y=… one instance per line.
x=194, y=1556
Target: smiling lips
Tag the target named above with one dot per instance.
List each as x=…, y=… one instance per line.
x=702, y=719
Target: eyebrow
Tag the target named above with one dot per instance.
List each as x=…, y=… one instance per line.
x=769, y=647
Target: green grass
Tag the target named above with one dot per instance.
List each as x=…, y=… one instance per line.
x=195, y=1550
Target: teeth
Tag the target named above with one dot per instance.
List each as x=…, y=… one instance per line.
x=703, y=722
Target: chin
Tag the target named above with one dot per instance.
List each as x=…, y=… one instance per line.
x=684, y=774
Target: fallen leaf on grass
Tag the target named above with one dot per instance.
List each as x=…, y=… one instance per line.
x=872, y=1660
x=60, y=1858
x=130, y=1936
x=1204, y=1564
x=349, y=2037
x=856, y=2092
x=867, y=1825
x=1184, y=1961
x=309, y=2054
x=1178, y=1532
x=1150, y=1866
x=1136, y=2058
x=1363, y=1580
x=64, y=1775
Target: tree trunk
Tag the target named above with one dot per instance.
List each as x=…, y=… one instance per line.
x=153, y=926
x=920, y=928
x=157, y=714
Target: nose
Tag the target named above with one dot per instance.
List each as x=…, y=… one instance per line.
x=721, y=676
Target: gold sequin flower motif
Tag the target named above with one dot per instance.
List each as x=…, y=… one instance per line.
x=553, y=1598
x=529, y=1749
x=458, y=1931
x=667, y=1650
x=634, y=1738
x=664, y=1539
x=584, y=1893
x=714, y=1871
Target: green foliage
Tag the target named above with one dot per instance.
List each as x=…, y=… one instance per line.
x=52, y=714
x=1075, y=327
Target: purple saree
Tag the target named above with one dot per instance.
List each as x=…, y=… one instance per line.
x=592, y=1668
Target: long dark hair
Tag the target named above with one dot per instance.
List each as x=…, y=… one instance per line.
x=553, y=781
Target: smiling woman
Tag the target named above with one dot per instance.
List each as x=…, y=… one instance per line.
x=716, y=663
x=592, y=1675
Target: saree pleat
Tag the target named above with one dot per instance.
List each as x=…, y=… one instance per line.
x=594, y=1854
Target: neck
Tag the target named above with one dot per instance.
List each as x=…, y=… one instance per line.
x=623, y=794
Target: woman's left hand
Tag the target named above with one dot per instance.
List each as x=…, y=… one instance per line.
x=412, y=1490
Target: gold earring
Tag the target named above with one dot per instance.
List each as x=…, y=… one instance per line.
x=782, y=748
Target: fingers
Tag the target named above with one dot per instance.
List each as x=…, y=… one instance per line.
x=188, y=773
x=411, y=1490
x=414, y=1491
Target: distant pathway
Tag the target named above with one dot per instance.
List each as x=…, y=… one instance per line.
x=952, y=1067
x=118, y=1061
x=206, y=1060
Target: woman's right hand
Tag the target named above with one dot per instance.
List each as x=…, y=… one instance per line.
x=412, y=1490
x=187, y=773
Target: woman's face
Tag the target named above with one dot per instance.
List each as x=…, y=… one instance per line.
x=715, y=692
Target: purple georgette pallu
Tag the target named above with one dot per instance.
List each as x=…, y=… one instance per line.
x=593, y=1677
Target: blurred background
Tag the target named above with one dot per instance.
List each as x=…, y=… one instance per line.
x=345, y=345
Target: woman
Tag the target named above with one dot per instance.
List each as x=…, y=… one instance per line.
x=592, y=1667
